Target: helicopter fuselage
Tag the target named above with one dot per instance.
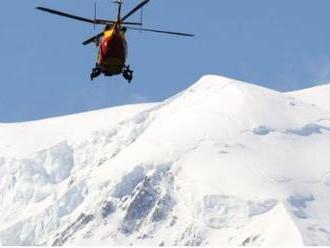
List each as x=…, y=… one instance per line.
x=112, y=52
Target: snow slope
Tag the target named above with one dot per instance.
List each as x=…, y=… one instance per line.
x=222, y=163
x=318, y=96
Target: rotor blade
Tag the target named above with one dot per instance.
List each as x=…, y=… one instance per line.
x=106, y=22
x=55, y=12
x=92, y=39
x=139, y=6
x=161, y=31
x=132, y=23
x=96, y=21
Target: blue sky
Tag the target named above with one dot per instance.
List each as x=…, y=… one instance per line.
x=281, y=44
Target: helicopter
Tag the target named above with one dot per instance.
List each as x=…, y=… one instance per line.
x=111, y=42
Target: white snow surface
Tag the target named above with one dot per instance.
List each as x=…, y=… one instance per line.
x=221, y=163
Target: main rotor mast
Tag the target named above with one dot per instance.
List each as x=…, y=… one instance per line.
x=119, y=2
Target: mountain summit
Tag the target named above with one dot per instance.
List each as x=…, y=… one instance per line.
x=221, y=163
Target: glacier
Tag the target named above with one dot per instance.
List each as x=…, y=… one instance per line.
x=223, y=162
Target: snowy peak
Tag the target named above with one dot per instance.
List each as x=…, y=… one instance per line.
x=222, y=163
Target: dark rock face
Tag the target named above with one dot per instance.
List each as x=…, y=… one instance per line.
x=108, y=209
x=82, y=221
x=163, y=208
x=151, y=201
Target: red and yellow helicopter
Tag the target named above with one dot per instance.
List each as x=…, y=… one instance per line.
x=111, y=42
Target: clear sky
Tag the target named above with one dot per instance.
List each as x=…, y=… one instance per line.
x=281, y=44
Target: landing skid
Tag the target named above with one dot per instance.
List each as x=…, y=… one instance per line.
x=127, y=73
x=95, y=72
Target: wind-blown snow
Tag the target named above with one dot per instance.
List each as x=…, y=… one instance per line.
x=222, y=163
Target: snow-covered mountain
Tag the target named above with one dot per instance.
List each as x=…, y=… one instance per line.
x=222, y=163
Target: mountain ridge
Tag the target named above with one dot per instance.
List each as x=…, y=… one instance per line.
x=221, y=163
